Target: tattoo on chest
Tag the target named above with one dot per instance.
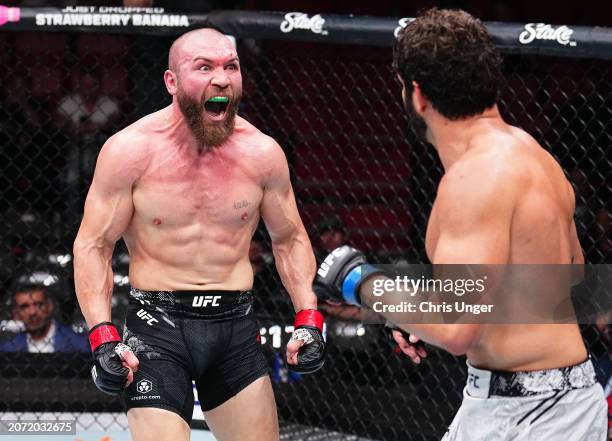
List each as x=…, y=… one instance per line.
x=240, y=204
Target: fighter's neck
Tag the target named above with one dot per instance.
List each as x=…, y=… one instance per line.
x=452, y=139
x=179, y=130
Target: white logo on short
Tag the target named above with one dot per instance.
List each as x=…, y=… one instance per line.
x=205, y=301
x=147, y=317
x=402, y=23
x=300, y=20
x=473, y=380
x=144, y=386
x=542, y=31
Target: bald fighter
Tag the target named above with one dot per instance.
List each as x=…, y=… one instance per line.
x=185, y=188
x=502, y=200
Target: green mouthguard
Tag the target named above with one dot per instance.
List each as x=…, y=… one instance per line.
x=219, y=99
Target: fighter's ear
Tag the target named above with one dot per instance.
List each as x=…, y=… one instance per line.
x=171, y=81
x=419, y=100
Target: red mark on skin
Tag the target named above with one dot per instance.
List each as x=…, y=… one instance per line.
x=244, y=216
x=156, y=221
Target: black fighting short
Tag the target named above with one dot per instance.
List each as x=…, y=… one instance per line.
x=180, y=336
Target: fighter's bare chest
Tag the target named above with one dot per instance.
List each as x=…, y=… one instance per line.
x=185, y=195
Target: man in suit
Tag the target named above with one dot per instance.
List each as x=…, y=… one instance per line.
x=33, y=306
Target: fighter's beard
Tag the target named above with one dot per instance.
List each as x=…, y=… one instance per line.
x=207, y=135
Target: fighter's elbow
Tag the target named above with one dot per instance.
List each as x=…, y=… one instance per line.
x=460, y=339
x=78, y=246
x=457, y=348
x=83, y=245
x=286, y=236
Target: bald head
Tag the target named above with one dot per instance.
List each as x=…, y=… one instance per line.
x=185, y=45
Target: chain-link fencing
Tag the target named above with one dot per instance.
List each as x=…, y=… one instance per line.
x=359, y=175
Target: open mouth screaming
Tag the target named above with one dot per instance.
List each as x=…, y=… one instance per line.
x=216, y=106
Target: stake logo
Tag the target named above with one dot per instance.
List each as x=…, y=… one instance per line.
x=300, y=20
x=542, y=31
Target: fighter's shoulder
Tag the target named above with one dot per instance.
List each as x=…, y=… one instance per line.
x=138, y=136
x=488, y=171
x=129, y=148
x=258, y=143
x=485, y=165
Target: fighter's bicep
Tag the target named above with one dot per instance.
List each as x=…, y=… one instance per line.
x=279, y=211
x=279, y=208
x=106, y=215
x=109, y=206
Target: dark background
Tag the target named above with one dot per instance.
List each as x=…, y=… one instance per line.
x=336, y=111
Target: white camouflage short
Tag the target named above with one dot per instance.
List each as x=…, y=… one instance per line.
x=553, y=405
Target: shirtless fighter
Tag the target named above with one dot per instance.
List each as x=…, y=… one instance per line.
x=185, y=188
x=502, y=200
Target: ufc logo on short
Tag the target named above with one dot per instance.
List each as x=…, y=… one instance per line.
x=473, y=380
x=205, y=301
x=146, y=317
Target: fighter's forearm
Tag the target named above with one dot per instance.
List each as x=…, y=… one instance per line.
x=296, y=266
x=93, y=279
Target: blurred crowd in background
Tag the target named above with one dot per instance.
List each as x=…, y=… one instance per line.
x=66, y=93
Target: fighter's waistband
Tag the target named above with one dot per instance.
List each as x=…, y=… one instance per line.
x=482, y=383
x=201, y=304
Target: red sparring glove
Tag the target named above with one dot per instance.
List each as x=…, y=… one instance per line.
x=307, y=340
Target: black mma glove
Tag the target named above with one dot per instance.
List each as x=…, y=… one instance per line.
x=389, y=328
x=415, y=349
x=308, y=327
x=108, y=372
x=341, y=273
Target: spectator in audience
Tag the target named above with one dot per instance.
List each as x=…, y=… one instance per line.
x=19, y=106
x=28, y=148
x=87, y=110
x=331, y=234
x=33, y=306
x=85, y=116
